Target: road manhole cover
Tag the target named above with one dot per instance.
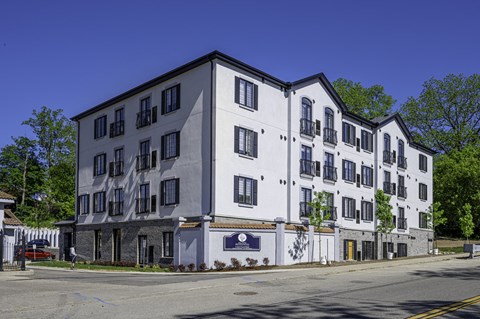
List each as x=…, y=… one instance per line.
x=245, y=293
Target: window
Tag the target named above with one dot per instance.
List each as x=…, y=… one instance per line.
x=423, y=220
x=117, y=244
x=144, y=117
x=171, y=99
x=348, y=133
x=329, y=170
x=170, y=145
x=143, y=160
x=348, y=207
x=168, y=244
x=245, y=190
x=99, y=202
x=170, y=192
x=402, y=221
x=386, y=142
x=99, y=164
x=307, y=126
x=97, y=254
x=143, y=202
x=329, y=133
x=116, y=167
x=307, y=166
x=368, y=250
x=388, y=187
x=246, y=142
x=422, y=188
x=116, y=208
x=422, y=162
x=100, y=129
x=305, y=198
x=332, y=210
x=246, y=93
x=348, y=170
x=367, y=211
x=84, y=204
x=118, y=127
x=367, y=176
x=402, y=190
x=367, y=141
x=401, y=250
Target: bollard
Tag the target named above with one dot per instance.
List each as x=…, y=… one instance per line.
x=23, y=251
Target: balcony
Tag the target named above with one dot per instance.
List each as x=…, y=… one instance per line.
x=388, y=157
x=329, y=173
x=143, y=162
x=116, y=168
x=402, y=191
x=330, y=136
x=144, y=118
x=115, y=208
x=402, y=162
x=117, y=128
x=142, y=205
x=389, y=188
x=402, y=223
x=305, y=209
x=307, y=127
x=332, y=210
x=307, y=167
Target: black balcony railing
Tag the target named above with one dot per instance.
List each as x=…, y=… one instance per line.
x=388, y=157
x=117, y=128
x=305, y=209
x=307, y=167
x=402, y=191
x=332, y=210
x=116, y=168
x=142, y=205
x=402, y=162
x=389, y=188
x=402, y=223
x=143, y=162
x=330, y=135
x=329, y=173
x=307, y=127
x=115, y=208
x=144, y=118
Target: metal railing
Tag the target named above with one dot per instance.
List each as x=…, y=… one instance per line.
x=332, y=210
x=402, y=223
x=330, y=135
x=144, y=118
x=305, y=209
x=143, y=162
x=307, y=167
x=402, y=191
x=389, y=188
x=115, y=208
x=307, y=127
x=329, y=173
x=402, y=162
x=142, y=205
x=388, y=157
x=117, y=128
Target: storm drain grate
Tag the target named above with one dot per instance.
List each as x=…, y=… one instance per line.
x=245, y=293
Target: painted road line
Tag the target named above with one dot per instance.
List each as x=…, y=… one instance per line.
x=446, y=309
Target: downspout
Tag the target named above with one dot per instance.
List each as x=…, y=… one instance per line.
x=74, y=235
x=212, y=139
x=289, y=151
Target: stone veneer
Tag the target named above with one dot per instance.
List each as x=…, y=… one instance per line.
x=130, y=231
x=419, y=241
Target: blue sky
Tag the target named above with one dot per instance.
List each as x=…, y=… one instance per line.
x=76, y=54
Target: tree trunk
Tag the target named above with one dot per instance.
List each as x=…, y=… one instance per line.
x=319, y=247
x=24, y=186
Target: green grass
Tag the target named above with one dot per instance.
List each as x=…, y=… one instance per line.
x=451, y=249
x=66, y=264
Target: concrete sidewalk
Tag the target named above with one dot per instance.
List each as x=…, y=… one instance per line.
x=342, y=267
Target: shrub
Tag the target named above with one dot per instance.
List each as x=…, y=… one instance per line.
x=173, y=268
x=137, y=266
x=181, y=267
x=266, y=261
x=202, y=266
x=236, y=264
x=156, y=266
x=191, y=266
x=114, y=263
x=252, y=262
x=219, y=265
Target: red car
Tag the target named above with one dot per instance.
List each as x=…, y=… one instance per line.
x=34, y=254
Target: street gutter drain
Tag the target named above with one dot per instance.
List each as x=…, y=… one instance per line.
x=245, y=293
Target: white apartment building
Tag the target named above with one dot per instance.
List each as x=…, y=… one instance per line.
x=170, y=170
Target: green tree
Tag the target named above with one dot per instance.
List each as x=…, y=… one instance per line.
x=446, y=114
x=368, y=102
x=457, y=178
x=320, y=212
x=435, y=218
x=384, y=214
x=466, y=221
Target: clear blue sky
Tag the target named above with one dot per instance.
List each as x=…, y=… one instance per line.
x=76, y=54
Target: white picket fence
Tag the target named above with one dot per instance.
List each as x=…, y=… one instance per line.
x=52, y=235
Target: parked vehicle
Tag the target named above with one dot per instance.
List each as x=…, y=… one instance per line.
x=39, y=242
x=35, y=254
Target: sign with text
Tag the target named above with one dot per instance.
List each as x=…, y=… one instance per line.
x=241, y=241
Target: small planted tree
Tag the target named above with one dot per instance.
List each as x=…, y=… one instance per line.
x=384, y=214
x=434, y=219
x=320, y=213
x=466, y=221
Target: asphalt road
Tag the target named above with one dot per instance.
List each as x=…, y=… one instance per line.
x=390, y=290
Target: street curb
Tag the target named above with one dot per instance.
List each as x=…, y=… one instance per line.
x=342, y=268
x=17, y=273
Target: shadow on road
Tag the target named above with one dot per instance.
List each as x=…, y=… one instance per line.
x=457, y=273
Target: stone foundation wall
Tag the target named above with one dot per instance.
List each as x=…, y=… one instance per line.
x=85, y=240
